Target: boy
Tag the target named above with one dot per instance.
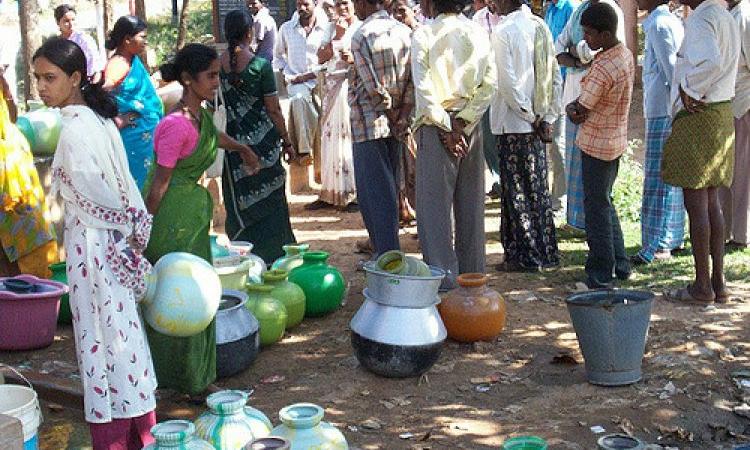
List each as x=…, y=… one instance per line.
x=602, y=111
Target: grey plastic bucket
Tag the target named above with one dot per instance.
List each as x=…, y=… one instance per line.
x=612, y=326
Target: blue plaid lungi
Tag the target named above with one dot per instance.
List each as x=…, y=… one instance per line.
x=662, y=210
x=575, y=216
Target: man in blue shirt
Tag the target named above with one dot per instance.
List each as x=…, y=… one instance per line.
x=557, y=15
x=662, y=210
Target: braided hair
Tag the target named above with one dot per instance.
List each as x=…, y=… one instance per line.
x=237, y=25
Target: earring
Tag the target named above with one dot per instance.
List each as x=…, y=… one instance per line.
x=187, y=83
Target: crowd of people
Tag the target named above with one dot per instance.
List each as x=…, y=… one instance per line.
x=400, y=108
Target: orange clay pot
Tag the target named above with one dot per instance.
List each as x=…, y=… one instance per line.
x=473, y=312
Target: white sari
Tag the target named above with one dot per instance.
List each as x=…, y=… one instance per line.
x=337, y=177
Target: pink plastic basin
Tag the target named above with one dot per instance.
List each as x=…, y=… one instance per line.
x=28, y=320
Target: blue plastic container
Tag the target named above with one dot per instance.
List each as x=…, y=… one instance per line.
x=612, y=326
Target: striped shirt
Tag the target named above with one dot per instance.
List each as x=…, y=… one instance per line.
x=381, y=79
x=606, y=91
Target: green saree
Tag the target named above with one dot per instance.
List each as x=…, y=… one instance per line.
x=181, y=225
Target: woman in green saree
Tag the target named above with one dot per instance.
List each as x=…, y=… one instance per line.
x=185, y=146
x=256, y=205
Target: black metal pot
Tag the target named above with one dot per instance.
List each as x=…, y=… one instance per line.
x=237, y=338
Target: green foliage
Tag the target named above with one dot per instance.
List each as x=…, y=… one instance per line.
x=628, y=189
x=162, y=34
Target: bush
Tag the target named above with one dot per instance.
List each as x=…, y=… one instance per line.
x=628, y=189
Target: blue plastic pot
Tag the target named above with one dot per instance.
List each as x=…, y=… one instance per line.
x=612, y=326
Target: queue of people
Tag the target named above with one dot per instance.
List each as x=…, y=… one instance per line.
x=410, y=105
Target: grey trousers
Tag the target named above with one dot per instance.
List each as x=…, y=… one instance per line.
x=556, y=158
x=450, y=192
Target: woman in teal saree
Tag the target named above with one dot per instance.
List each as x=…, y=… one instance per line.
x=138, y=104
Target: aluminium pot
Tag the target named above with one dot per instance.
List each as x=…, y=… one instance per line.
x=237, y=337
x=397, y=342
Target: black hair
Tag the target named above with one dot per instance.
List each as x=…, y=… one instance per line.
x=601, y=17
x=191, y=59
x=449, y=6
x=69, y=57
x=61, y=10
x=126, y=26
x=237, y=25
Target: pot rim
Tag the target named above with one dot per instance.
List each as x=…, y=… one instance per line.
x=372, y=269
x=227, y=402
x=283, y=443
x=258, y=287
x=473, y=279
x=300, y=248
x=602, y=441
x=275, y=275
x=173, y=431
x=241, y=296
x=316, y=256
x=313, y=415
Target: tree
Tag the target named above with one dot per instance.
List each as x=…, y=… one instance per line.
x=140, y=9
x=182, y=29
x=109, y=15
x=28, y=10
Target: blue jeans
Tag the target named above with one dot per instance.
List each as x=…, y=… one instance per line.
x=377, y=165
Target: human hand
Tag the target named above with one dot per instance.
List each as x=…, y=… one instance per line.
x=544, y=130
x=575, y=114
x=288, y=152
x=454, y=143
x=691, y=105
x=250, y=160
x=126, y=120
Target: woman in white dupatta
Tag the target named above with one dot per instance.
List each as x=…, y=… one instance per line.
x=106, y=229
x=337, y=170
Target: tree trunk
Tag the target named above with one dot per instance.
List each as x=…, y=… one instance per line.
x=182, y=29
x=140, y=9
x=28, y=11
x=109, y=16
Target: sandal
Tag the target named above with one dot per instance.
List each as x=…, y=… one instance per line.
x=683, y=296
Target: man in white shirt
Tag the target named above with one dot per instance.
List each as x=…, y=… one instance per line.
x=526, y=103
x=264, y=29
x=736, y=200
x=296, y=56
x=699, y=153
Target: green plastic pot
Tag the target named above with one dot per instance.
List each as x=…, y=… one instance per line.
x=322, y=284
x=292, y=257
x=270, y=312
x=59, y=274
x=288, y=293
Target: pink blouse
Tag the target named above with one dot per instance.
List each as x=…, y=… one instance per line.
x=175, y=138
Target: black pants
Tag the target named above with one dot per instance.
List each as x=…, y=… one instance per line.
x=603, y=232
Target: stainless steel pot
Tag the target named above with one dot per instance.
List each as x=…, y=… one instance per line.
x=398, y=326
x=237, y=337
x=397, y=342
x=404, y=291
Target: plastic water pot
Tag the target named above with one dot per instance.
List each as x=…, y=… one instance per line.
x=612, y=326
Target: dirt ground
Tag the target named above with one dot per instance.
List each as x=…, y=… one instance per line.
x=529, y=381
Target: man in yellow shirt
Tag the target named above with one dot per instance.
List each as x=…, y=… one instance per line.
x=454, y=81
